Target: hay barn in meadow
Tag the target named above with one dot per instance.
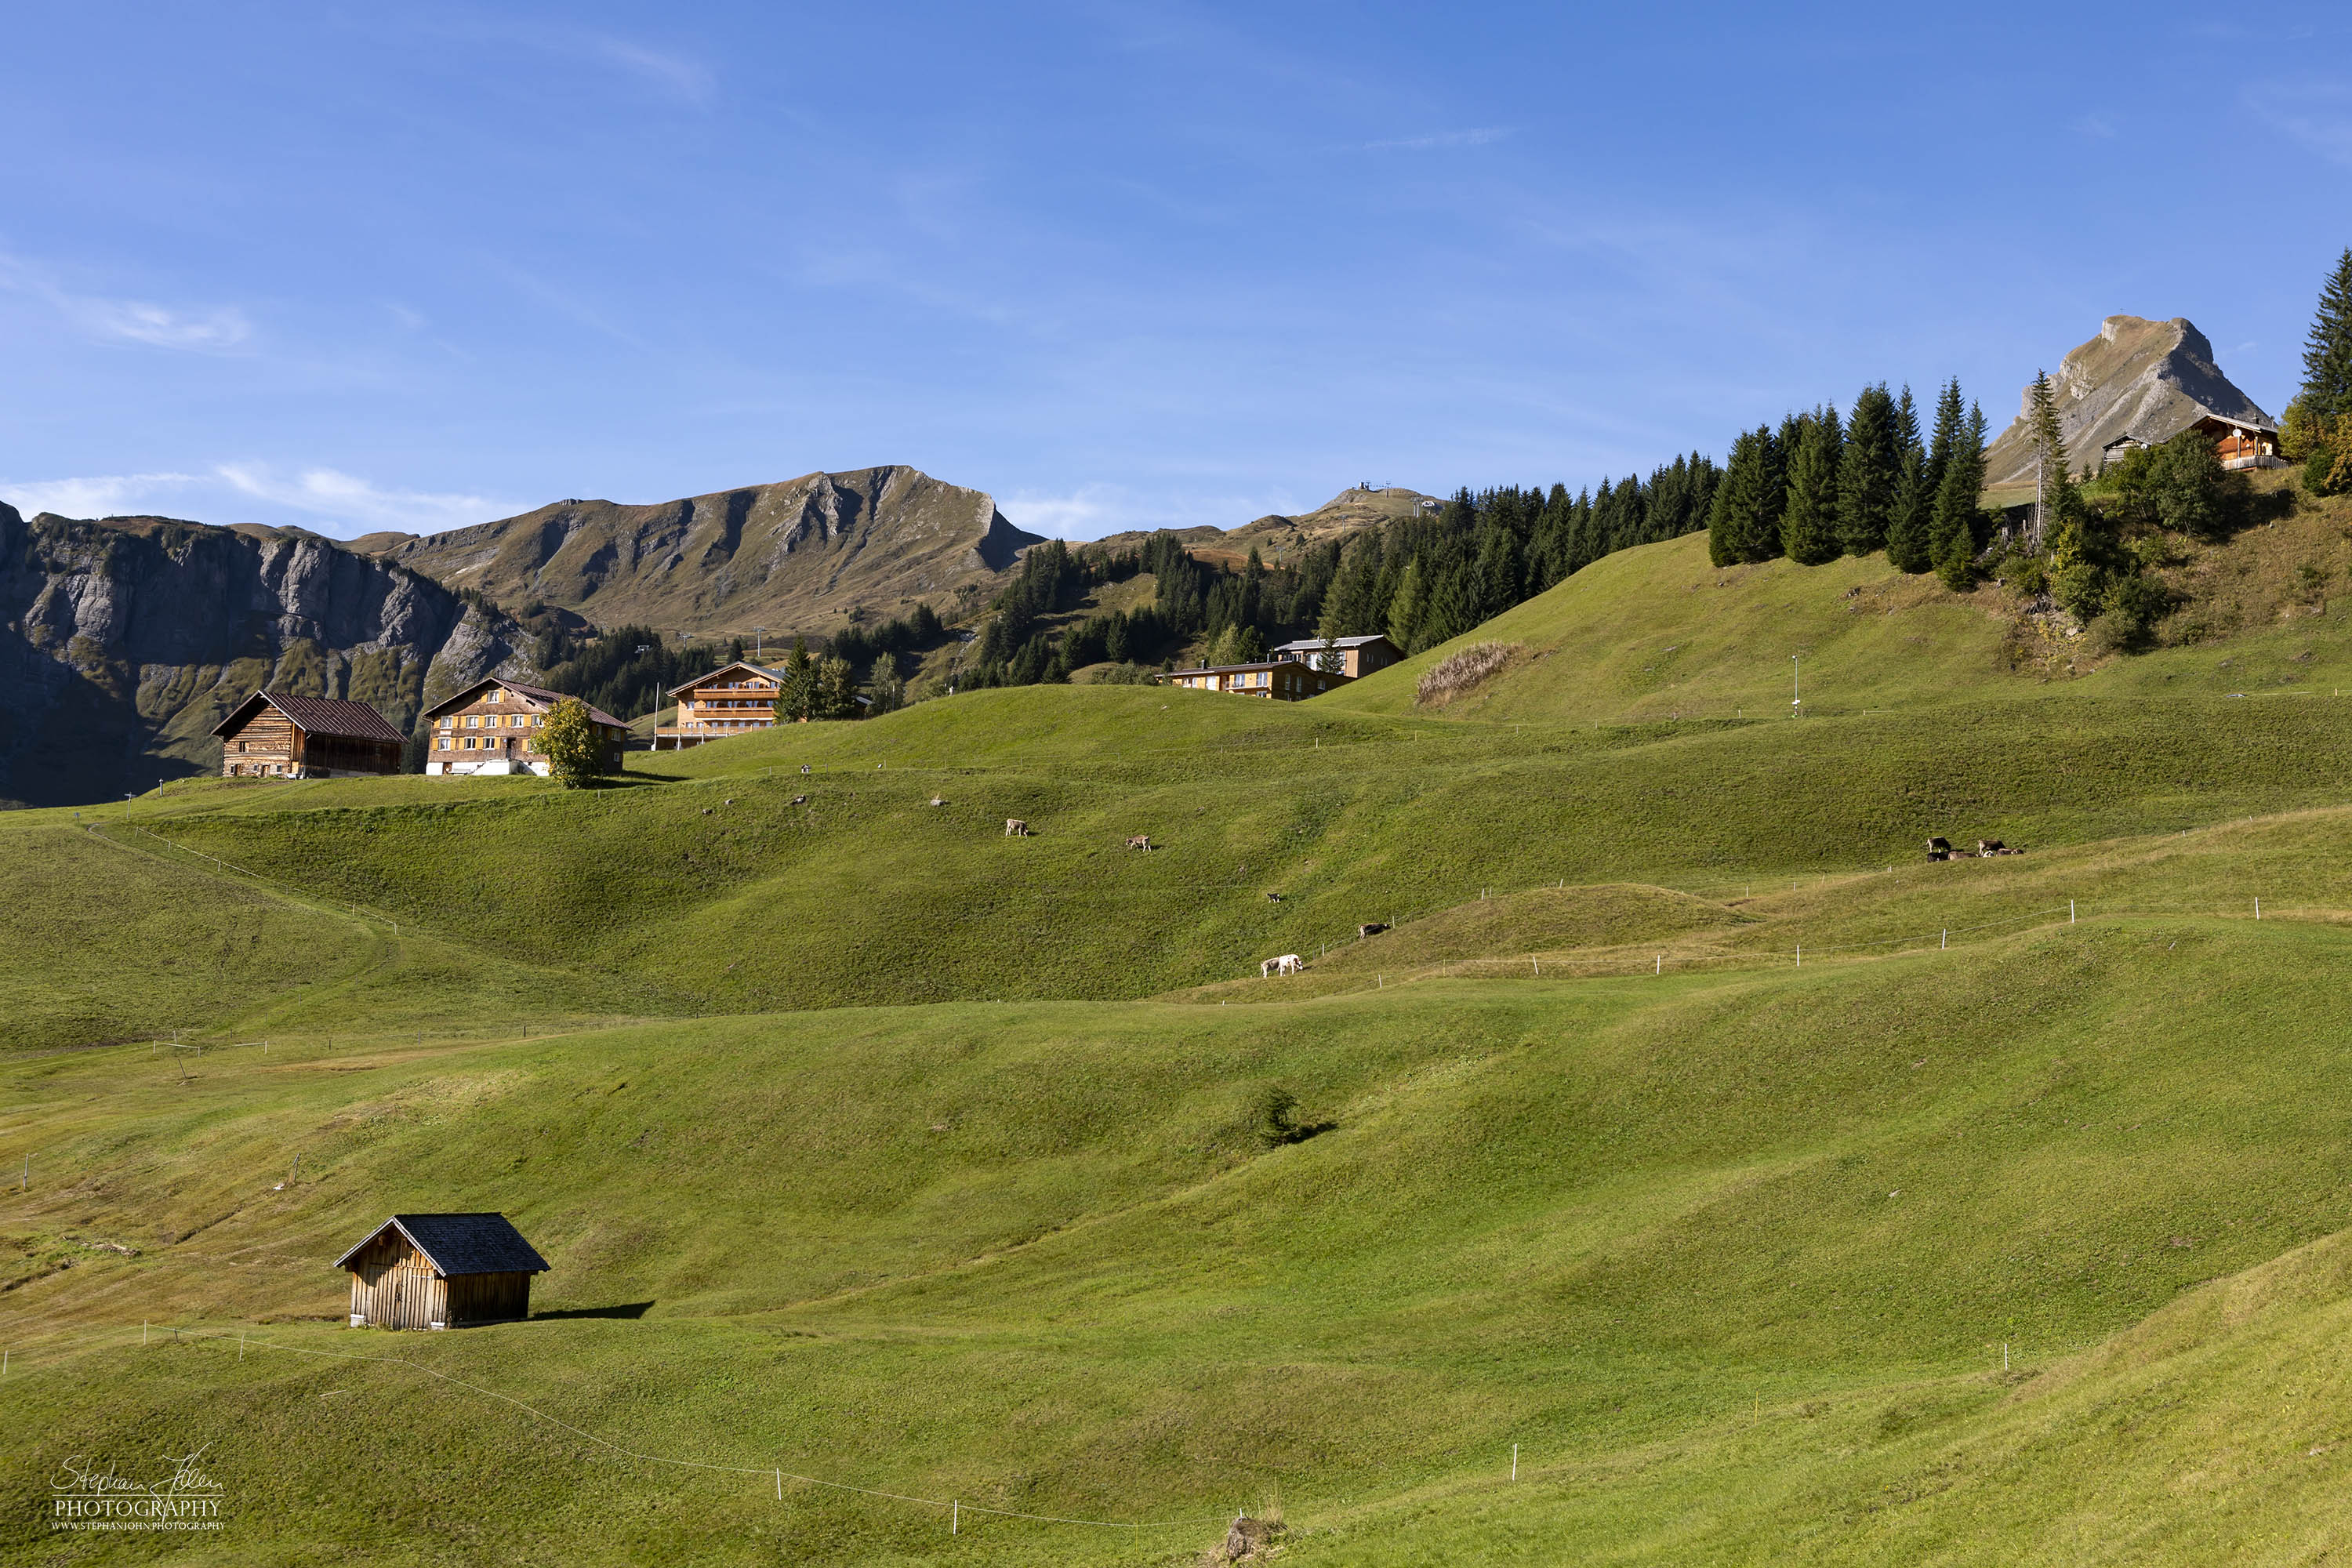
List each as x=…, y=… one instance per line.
x=441, y=1271
x=276, y=734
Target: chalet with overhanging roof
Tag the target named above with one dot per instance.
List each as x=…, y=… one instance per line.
x=1280, y=680
x=728, y=700
x=1354, y=658
x=441, y=1271
x=276, y=734
x=489, y=728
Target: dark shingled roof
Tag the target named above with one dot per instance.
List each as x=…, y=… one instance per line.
x=540, y=693
x=460, y=1244
x=316, y=715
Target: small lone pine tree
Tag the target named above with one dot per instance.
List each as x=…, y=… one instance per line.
x=2054, y=483
x=568, y=740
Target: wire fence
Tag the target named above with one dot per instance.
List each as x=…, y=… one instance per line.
x=951, y=1506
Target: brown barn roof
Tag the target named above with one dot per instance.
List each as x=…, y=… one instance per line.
x=542, y=692
x=460, y=1244
x=316, y=715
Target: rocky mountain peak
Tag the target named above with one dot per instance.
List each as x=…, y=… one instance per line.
x=2150, y=380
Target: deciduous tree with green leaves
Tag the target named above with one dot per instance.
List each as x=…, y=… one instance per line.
x=570, y=742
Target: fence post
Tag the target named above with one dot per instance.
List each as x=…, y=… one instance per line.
x=2070, y=911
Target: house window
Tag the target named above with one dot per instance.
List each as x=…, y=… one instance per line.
x=473, y=720
x=497, y=694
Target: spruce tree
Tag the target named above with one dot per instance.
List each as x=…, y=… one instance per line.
x=1869, y=472
x=2328, y=356
x=1808, y=526
x=2055, y=496
x=1909, y=548
x=1947, y=432
x=1405, y=607
x=1743, y=524
x=1954, y=529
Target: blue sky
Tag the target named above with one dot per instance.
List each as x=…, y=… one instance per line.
x=1119, y=265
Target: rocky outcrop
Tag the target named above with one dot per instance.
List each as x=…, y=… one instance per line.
x=2150, y=380
x=126, y=640
x=801, y=555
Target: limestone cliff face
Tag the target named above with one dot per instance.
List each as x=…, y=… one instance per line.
x=801, y=555
x=123, y=642
x=2147, y=379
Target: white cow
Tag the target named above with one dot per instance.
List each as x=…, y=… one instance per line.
x=1288, y=963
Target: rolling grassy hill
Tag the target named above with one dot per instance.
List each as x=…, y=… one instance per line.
x=872, y=1147
x=1655, y=631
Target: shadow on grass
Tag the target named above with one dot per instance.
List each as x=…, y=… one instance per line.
x=627, y=1309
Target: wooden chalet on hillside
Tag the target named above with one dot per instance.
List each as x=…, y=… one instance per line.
x=728, y=700
x=1282, y=680
x=276, y=734
x=488, y=729
x=2238, y=443
x=441, y=1271
x=1354, y=658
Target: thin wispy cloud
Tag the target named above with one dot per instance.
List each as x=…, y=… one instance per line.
x=219, y=328
x=1439, y=141
x=2316, y=114
x=683, y=77
x=108, y=495
x=327, y=499
x=335, y=497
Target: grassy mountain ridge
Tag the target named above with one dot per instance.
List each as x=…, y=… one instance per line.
x=806, y=554
x=1657, y=632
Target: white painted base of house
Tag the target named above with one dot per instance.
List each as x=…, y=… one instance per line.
x=498, y=765
x=359, y=1320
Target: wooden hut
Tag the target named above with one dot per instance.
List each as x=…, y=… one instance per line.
x=441, y=1271
x=276, y=734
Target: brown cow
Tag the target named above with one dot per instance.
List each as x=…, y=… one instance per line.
x=1016, y=828
x=1939, y=850
x=1140, y=841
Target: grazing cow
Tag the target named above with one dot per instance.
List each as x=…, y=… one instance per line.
x=1288, y=963
x=936, y=801
x=1372, y=930
x=1016, y=828
x=800, y=800
x=1995, y=847
x=1274, y=897
x=1140, y=841
x=1939, y=850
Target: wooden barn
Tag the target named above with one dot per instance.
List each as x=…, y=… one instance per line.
x=441, y=1271
x=276, y=734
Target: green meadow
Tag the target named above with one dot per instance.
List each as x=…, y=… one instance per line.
x=1773, y=1193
